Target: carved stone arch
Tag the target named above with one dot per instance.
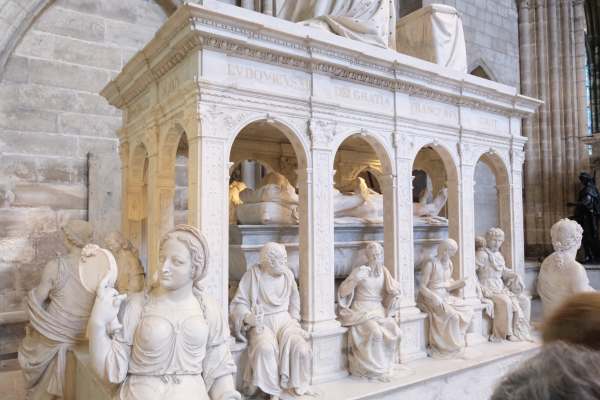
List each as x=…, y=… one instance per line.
x=480, y=68
x=11, y=34
x=497, y=160
x=295, y=137
x=378, y=142
x=499, y=163
x=137, y=162
x=169, y=139
x=449, y=157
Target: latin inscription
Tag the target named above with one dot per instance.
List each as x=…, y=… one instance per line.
x=433, y=111
x=362, y=96
x=269, y=77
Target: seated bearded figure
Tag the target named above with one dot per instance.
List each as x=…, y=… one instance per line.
x=449, y=315
x=265, y=312
x=369, y=299
x=505, y=289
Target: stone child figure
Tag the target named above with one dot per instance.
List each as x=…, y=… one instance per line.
x=561, y=275
x=131, y=272
x=369, y=299
x=505, y=289
x=449, y=315
x=587, y=212
x=173, y=343
x=58, y=310
x=265, y=312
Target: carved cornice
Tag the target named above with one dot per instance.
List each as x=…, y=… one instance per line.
x=223, y=28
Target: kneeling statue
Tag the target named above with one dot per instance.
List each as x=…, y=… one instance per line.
x=265, y=312
x=449, y=315
x=505, y=289
x=369, y=300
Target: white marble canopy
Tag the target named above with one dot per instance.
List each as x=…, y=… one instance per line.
x=213, y=69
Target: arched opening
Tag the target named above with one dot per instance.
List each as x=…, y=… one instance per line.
x=180, y=196
x=492, y=200
x=435, y=203
x=264, y=200
x=362, y=203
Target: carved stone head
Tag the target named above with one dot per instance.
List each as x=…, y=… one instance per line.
x=77, y=233
x=566, y=235
x=494, y=238
x=447, y=248
x=273, y=259
x=114, y=241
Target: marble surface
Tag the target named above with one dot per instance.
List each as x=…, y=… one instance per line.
x=470, y=378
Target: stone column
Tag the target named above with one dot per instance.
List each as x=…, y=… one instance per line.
x=462, y=220
x=506, y=204
x=208, y=174
x=124, y=154
x=516, y=189
x=412, y=320
x=153, y=226
x=317, y=289
x=552, y=54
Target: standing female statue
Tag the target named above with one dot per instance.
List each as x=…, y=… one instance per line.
x=173, y=340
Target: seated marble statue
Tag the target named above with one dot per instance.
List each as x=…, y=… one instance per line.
x=369, y=21
x=130, y=277
x=505, y=289
x=274, y=202
x=173, y=342
x=561, y=276
x=58, y=310
x=449, y=315
x=265, y=312
x=368, y=303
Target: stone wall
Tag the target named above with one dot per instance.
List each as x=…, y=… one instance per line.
x=52, y=118
x=492, y=36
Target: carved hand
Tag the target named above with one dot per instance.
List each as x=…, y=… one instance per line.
x=107, y=304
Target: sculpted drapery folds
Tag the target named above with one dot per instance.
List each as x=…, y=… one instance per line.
x=506, y=290
x=265, y=312
x=369, y=21
x=173, y=343
x=369, y=300
x=449, y=315
x=58, y=310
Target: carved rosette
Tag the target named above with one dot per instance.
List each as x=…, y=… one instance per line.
x=321, y=133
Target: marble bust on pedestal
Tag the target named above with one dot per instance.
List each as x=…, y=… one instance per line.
x=505, y=288
x=173, y=342
x=369, y=300
x=560, y=274
x=265, y=313
x=449, y=315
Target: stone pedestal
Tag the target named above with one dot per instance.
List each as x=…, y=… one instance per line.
x=245, y=242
